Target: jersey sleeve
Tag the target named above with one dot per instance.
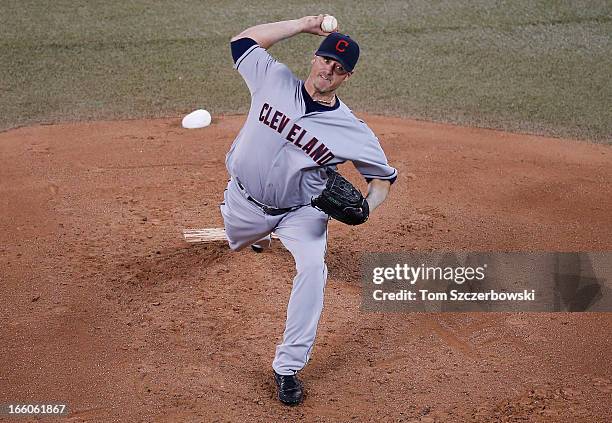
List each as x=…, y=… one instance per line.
x=240, y=46
x=372, y=162
x=256, y=65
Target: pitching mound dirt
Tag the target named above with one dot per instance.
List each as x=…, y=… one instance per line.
x=106, y=309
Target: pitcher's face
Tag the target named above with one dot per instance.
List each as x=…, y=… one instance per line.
x=327, y=74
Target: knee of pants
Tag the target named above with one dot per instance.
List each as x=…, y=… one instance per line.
x=311, y=264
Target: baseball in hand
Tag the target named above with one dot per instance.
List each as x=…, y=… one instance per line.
x=329, y=23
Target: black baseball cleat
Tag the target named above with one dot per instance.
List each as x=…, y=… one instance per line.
x=257, y=248
x=289, y=389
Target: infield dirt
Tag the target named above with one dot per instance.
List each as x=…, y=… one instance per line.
x=106, y=309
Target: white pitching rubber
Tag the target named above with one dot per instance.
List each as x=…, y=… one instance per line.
x=194, y=236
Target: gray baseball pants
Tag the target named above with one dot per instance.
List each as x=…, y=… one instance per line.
x=304, y=233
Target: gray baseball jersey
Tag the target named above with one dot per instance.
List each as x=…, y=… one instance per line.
x=281, y=151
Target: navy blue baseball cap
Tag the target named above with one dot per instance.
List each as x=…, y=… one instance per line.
x=342, y=48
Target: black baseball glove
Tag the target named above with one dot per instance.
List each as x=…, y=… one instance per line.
x=342, y=201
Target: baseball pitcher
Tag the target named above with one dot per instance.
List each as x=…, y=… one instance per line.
x=282, y=168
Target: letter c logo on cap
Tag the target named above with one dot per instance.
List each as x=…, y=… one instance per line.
x=341, y=45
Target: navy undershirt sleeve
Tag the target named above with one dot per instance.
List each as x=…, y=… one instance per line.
x=239, y=47
x=368, y=180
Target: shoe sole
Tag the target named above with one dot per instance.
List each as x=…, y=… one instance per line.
x=289, y=402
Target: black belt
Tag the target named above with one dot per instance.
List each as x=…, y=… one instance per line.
x=272, y=211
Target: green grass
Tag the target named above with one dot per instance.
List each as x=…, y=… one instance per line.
x=528, y=66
